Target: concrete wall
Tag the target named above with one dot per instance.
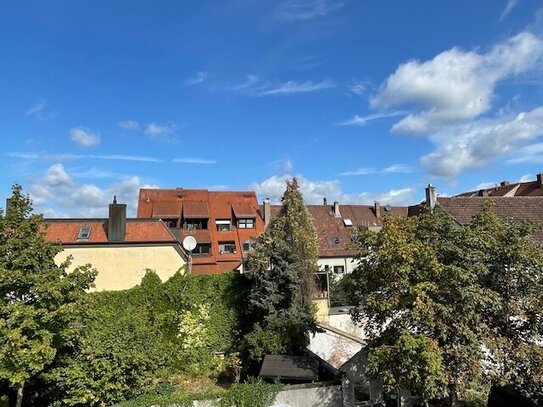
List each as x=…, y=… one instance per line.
x=311, y=396
x=345, y=323
x=123, y=267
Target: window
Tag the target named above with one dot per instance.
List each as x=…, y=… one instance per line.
x=84, y=233
x=361, y=393
x=171, y=223
x=227, y=247
x=202, y=249
x=247, y=246
x=247, y=223
x=192, y=224
x=326, y=268
x=223, y=225
x=339, y=269
x=347, y=222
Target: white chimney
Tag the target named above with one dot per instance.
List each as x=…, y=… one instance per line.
x=336, y=210
x=431, y=196
x=267, y=211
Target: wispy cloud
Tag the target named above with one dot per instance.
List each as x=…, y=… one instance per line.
x=249, y=82
x=358, y=87
x=511, y=4
x=129, y=125
x=190, y=160
x=363, y=120
x=392, y=169
x=37, y=108
x=84, y=137
x=307, y=9
x=291, y=87
x=200, y=77
x=63, y=157
x=155, y=130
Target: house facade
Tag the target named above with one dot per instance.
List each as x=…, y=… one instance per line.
x=222, y=222
x=120, y=249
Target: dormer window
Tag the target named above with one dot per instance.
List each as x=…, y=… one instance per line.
x=247, y=223
x=84, y=233
x=223, y=225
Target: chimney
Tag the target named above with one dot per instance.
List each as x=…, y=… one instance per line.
x=483, y=192
x=431, y=196
x=116, y=225
x=504, y=183
x=8, y=200
x=336, y=210
x=377, y=208
x=324, y=201
x=539, y=180
x=267, y=211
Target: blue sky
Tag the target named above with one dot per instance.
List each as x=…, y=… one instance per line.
x=362, y=99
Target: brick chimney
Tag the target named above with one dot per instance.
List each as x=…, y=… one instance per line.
x=377, y=208
x=267, y=211
x=431, y=196
x=540, y=180
x=116, y=225
x=336, y=210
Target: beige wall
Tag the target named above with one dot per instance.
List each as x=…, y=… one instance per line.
x=349, y=263
x=123, y=267
x=321, y=309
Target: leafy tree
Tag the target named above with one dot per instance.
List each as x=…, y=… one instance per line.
x=281, y=271
x=464, y=290
x=39, y=301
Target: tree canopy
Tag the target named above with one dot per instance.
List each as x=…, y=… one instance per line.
x=39, y=300
x=451, y=305
x=281, y=270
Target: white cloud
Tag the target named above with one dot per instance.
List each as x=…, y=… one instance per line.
x=358, y=87
x=475, y=145
x=294, y=10
x=392, y=169
x=527, y=178
x=84, y=137
x=65, y=157
x=200, y=77
x=37, y=108
x=156, y=130
x=129, y=125
x=297, y=87
x=455, y=85
x=315, y=191
x=189, y=160
x=511, y=4
x=363, y=120
x=484, y=185
x=56, y=194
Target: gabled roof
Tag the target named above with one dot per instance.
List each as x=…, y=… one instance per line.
x=505, y=189
x=520, y=208
x=334, y=233
x=66, y=231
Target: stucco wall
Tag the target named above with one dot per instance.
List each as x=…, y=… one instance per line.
x=346, y=324
x=121, y=267
x=346, y=262
x=318, y=396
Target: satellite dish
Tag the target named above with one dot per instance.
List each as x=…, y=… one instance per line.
x=189, y=243
x=388, y=208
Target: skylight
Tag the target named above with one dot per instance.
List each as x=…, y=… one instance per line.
x=84, y=232
x=348, y=222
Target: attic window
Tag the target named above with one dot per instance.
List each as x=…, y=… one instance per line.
x=84, y=233
x=347, y=222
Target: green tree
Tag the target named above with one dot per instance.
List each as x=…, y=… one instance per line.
x=465, y=290
x=39, y=301
x=281, y=271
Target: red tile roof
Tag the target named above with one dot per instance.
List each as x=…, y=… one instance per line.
x=213, y=205
x=137, y=231
x=530, y=188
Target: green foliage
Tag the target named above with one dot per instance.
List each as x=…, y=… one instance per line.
x=250, y=394
x=131, y=336
x=339, y=290
x=281, y=281
x=413, y=362
x=462, y=289
x=39, y=301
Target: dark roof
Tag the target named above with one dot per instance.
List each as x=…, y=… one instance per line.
x=290, y=367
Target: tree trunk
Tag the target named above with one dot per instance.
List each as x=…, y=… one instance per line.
x=453, y=395
x=19, y=401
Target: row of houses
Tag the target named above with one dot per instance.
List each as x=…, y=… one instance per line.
x=224, y=224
